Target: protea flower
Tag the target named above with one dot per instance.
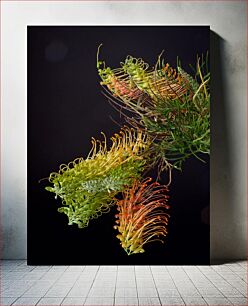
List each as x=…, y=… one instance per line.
x=142, y=216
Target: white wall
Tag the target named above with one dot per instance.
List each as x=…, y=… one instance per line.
x=229, y=143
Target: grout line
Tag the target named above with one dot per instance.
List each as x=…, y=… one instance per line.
x=91, y=284
x=155, y=285
x=237, y=273
x=136, y=284
x=176, y=286
x=38, y=301
x=14, y=301
x=115, y=283
x=193, y=282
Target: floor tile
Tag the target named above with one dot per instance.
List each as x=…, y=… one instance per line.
x=84, y=280
x=7, y=300
x=50, y=301
x=189, y=292
x=230, y=291
x=91, y=269
x=126, y=292
x=165, y=284
x=105, y=284
x=239, y=301
x=194, y=301
x=71, y=275
x=126, y=276
x=15, y=275
x=106, y=274
x=164, y=292
x=26, y=301
x=108, y=268
x=162, y=276
x=13, y=292
x=147, y=301
x=102, y=292
x=75, y=269
x=33, y=276
x=147, y=292
x=41, y=268
x=79, y=291
x=210, y=292
x=217, y=301
x=145, y=283
x=58, y=291
x=38, y=290
x=120, y=301
x=126, y=268
x=58, y=268
x=51, y=275
x=125, y=283
x=167, y=301
x=73, y=301
x=99, y=301
x=143, y=269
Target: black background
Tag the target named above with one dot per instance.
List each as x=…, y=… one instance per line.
x=66, y=108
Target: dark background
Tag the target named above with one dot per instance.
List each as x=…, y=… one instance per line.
x=66, y=108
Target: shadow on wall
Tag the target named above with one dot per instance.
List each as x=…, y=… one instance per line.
x=222, y=206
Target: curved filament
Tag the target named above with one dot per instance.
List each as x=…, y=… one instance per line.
x=142, y=216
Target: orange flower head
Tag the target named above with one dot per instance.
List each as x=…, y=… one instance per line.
x=142, y=216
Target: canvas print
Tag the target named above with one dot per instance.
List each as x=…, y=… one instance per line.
x=118, y=145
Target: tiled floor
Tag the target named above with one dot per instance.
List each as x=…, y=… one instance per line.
x=123, y=285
